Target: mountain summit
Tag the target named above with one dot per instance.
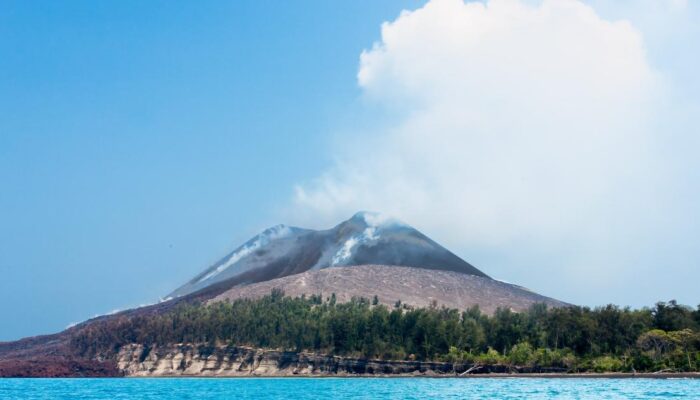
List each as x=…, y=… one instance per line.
x=365, y=238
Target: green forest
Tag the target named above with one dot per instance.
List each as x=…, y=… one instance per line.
x=665, y=337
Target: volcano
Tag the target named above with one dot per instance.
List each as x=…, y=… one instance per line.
x=367, y=256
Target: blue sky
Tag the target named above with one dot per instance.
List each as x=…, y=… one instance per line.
x=140, y=141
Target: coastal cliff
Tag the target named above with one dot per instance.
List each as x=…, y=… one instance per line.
x=192, y=360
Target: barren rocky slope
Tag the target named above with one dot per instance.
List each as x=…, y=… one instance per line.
x=413, y=286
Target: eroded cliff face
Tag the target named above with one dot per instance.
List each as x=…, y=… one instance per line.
x=190, y=360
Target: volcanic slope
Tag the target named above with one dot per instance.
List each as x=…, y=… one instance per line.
x=366, y=238
x=394, y=286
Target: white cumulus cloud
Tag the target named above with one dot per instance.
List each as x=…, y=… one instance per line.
x=515, y=125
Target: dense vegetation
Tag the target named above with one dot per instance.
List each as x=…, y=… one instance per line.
x=665, y=337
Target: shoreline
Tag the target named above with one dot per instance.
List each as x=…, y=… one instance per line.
x=577, y=375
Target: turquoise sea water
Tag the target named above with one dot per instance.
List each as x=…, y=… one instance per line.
x=349, y=388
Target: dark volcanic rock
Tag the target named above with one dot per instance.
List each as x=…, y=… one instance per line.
x=52, y=367
x=366, y=238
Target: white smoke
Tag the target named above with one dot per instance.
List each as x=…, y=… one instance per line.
x=521, y=126
x=276, y=232
x=520, y=120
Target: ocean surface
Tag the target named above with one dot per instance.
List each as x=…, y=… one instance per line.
x=349, y=388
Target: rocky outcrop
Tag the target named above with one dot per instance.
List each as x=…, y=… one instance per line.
x=192, y=360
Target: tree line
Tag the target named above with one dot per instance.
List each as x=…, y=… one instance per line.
x=663, y=337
